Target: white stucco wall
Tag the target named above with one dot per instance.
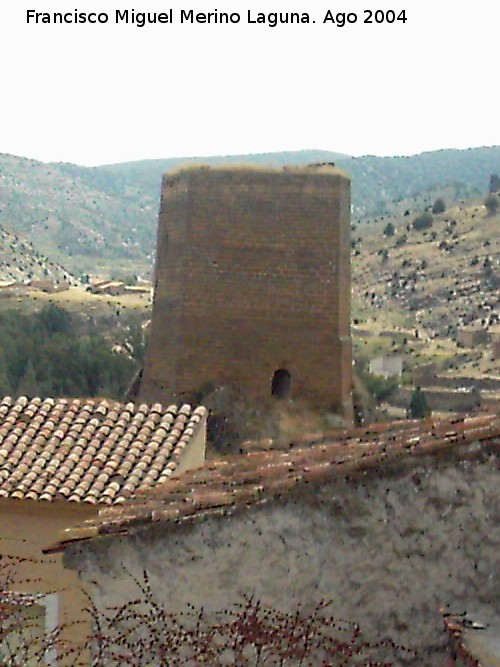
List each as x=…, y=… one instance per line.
x=388, y=549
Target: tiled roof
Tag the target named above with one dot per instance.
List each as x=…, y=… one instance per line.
x=19, y=599
x=224, y=486
x=92, y=451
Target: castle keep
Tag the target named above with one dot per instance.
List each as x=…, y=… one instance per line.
x=252, y=286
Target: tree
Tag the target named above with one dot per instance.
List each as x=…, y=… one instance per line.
x=135, y=342
x=54, y=319
x=4, y=376
x=423, y=221
x=401, y=240
x=419, y=408
x=143, y=632
x=439, y=206
x=494, y=183
x=28, y=383
x=491, y=203
x=45, y=355
x=383, y=253
x=389, y=230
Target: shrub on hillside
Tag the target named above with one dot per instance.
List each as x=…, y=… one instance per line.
x=439, y=206
x=491, y=202
x=383, y=253
x=423, y=221
x=389, y=229
x=494, y=183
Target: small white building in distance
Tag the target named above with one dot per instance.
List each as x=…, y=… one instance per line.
x=387, y=366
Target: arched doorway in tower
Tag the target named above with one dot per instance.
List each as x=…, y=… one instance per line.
x=281, y=383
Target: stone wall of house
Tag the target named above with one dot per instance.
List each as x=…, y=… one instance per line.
x=457, y=381
x=467, y=338
x=252, y=276
x=441, y=399
x=389, y=549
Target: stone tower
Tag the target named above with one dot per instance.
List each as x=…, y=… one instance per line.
x=253, y=286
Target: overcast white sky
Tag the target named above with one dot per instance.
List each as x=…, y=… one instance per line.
x=95, y=94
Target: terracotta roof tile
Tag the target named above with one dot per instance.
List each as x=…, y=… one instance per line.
x=221, y=487
x=94, y=451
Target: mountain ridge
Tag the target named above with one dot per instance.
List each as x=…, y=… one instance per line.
x=107, y=215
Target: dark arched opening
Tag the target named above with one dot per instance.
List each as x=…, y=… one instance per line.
x=281, y=383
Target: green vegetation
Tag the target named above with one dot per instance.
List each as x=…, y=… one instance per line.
x=419, y=408
x=494, y=183
x=401, y=240
x=383, y=253
x=389, y=229
x=378, y=387
x=439, y=206
x=397, y=177
x=74, y=217
x=45, y=354
x=423, y=221
x=492, y=204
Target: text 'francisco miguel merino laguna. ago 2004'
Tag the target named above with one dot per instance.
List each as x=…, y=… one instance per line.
x=190, y=16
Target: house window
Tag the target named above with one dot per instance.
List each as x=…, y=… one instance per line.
x=28, y=629
x=281, y=383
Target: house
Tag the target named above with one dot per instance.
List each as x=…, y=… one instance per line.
x=11, y=288
x=494, y=332
x=425, y=374
x=442, y=399
x=50, y=286
x=61, y=461
x=144, y=288
x=388, y=522
x=109, y=287
x=387, y=366
x=471, y=336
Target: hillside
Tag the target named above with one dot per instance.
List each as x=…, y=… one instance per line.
x=379, y=182
x=376, y=181
x=428, y=284
x=20, y=261
x=104, y=218
x=58, y=209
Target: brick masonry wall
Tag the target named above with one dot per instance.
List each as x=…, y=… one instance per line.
x=252, y=275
